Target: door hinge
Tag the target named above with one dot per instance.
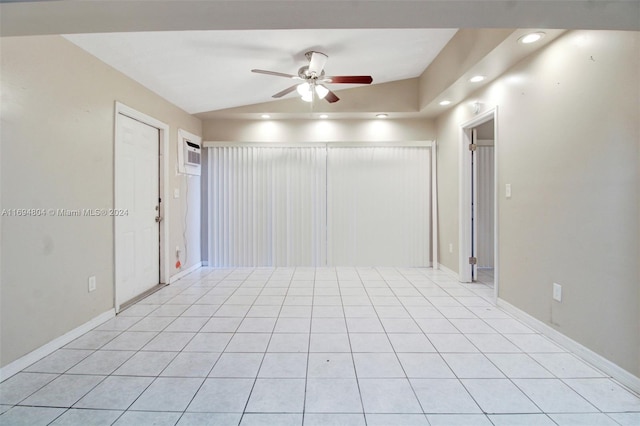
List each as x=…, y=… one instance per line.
x=473, y=261
x=472, y=147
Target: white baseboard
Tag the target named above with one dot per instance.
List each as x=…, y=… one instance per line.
x=47, y=349
x=447, y=270
x=598, y=361
x=184, y=272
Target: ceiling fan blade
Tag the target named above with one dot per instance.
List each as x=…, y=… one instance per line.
x=317, y=63
x=331, y=97
x=277, y=74
x=349, y=79
x=285, y=91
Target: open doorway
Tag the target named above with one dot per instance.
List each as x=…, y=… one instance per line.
x=478, y=261
x=483, y=202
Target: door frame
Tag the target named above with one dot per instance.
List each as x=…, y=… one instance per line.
x=464, y=203
x=163, y=174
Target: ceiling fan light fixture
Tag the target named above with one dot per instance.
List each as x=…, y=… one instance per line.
x=314, y=80
x=321, y=91
x=304, y=89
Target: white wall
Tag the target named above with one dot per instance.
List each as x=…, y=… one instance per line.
x=568, y=142
x=374, y=130
x=57, y=152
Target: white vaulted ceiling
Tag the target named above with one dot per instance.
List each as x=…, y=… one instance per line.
x=198, y=54
x=203, y=71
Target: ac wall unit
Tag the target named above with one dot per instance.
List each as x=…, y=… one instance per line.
x=189, y=153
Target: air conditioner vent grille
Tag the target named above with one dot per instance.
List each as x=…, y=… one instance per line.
x=193, y=157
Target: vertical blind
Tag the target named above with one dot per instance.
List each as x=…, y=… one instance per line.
x=319, y=205
x=267, y=206
x=378, y=206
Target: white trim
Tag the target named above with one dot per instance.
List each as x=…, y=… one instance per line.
x=209, y=208
x=496, y=215
x=448, y=271
x=464, y=214
x=185, y=272
x=598, y=361
x=48, y=348
x=163, y=128
x=222, y=144
x=434, y=204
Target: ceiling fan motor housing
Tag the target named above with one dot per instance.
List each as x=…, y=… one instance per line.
x=305, y=74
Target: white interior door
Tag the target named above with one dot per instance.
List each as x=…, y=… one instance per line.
x=136, y=193
x=474, y=207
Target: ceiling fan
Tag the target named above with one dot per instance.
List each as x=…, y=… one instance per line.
x=313, y=79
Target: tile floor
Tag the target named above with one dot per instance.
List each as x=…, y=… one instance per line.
x=292, y=346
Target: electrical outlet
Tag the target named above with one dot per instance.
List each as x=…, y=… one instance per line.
x=92, y=283
x=450, y=248
x=557, y=292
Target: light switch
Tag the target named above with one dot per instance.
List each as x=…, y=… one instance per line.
x=176, y=193
x=92, y=283
x=557, y=292
x=507, y=190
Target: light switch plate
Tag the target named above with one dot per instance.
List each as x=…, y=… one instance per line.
x=507, y=190
x=557, y=292
x=176, y=193
x=92, y=283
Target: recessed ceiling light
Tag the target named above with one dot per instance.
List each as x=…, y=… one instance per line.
x=476, y=78
x=324, y=116
x=531, y=38
x=265, y=116
x=382, y=115
x=445, y=103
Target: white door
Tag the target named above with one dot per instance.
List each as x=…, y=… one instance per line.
x=474, y=206
x=137, y=196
